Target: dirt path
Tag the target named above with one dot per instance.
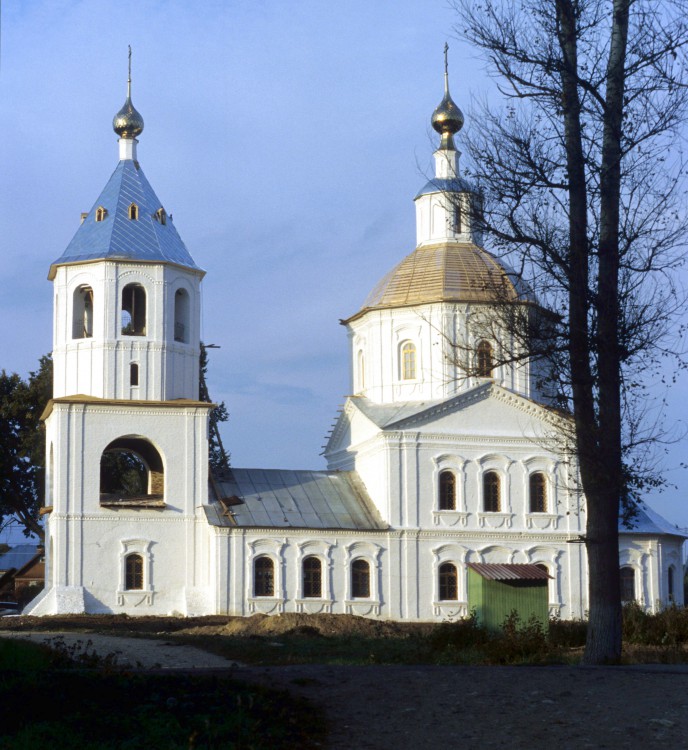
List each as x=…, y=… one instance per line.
x=404, y=707
x=400, y=707
x=135, y=653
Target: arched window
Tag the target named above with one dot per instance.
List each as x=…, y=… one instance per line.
x=408, y=361
x=133, y=374
x=670, y=584
x=361, y=370
x=263, y=576
x=627, y=580
x=181, y=315
x=101, y=213
x=484, y=359
x=447, y=491
x=133, y=212
x=82, y=313
x=457, y=228
x=491, y=492
x=449, y=582
x=133, y=572
x=161, y=216
x=312, y=578
x=131, y=473
x=538, y=493
x=360, y=579
x=133, y=310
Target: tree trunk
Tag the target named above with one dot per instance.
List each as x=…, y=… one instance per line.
x=603, y=643
x=604, y=639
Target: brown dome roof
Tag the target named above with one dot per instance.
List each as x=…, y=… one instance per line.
x=451, y=272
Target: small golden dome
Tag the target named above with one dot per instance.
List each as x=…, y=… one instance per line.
x=128, y=123
x=447, y=118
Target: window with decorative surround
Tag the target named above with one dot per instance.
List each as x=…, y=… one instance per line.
x=312, y=578
x=360, y=579
x=133, y=573
x=448, y=582
x=627, y=580
x=263, y=576
x=491, y=492
x=484, y=359
x=447, y=491
x=408, y=361
x=538, y=493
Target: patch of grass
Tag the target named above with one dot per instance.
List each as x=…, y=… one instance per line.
x=24, y=655
x=460, y=642
x=108, y=709
x=96, y=711
x=296, y=648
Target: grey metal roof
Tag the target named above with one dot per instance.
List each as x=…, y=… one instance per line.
x=440, y=185
x=121, y=238
x=509, y=572
x=384, y=415
x=293, y=499
x=647, y=521
x=18, y=556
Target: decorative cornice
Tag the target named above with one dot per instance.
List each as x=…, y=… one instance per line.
x=125, y=406
x=447, y=535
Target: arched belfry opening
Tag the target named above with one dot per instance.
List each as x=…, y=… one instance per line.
x=133, y=310
x=82, y=313
x=181, y=316
x=132, y=474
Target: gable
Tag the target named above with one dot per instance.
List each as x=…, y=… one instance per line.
x=486, y=412
x=353, y=427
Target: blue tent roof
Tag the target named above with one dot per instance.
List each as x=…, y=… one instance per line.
x=121, y=238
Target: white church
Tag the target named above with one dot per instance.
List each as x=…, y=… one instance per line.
x=436, y=463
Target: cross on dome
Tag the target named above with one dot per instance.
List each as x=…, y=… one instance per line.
x=447, y=118
x=128, y=123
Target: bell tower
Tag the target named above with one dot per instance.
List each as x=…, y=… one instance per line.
x=127, y=443
x=126, y=291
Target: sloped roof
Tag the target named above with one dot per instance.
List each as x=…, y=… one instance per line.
x=292, y=499
x=18, y=556
x=647, y=521
x=404, y=414
x=509, y=571
x=444, y=185
x=120, y=238
x=446, y=272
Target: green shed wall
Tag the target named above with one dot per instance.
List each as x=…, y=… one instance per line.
x=494, y=601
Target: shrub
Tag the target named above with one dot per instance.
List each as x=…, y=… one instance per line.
x=669, y=627
x=518, y=642
x=459, y=635
x=567, y=633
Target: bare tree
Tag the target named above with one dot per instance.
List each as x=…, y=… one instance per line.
x=581, y=178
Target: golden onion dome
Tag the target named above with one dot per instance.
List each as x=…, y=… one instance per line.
x=128, y=123
x=446, y=272
x=447, y=118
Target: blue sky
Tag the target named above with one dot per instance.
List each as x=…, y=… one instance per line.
x=287, y=138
